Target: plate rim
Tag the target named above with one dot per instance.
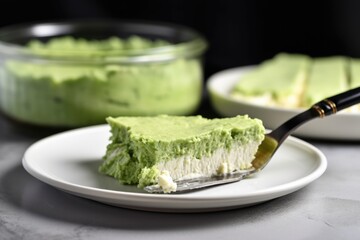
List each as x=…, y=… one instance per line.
x=123, y=195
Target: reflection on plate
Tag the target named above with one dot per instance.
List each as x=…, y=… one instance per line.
x=69, y=161
x=343, y=126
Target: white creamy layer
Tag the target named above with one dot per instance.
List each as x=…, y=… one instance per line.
x=264, y=99
x=222, y=161
x=289, y=101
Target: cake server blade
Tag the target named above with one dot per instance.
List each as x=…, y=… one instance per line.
x=192, y=184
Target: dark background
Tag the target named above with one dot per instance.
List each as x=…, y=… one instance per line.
x=239, y=32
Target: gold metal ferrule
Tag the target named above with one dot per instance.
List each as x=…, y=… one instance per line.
x=332, y=105
x=319, y=110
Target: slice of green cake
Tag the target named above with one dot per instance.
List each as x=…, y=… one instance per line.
x=328, y=76
x=279, y=81
x=158, y=150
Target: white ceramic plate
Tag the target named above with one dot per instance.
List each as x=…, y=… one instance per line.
x=342, y=126
x=69, y=161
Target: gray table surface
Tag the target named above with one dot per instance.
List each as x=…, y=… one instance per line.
x=328, y=208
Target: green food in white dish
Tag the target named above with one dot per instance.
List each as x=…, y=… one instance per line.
x=297, y=81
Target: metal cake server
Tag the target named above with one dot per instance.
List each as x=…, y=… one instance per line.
x=271, y=143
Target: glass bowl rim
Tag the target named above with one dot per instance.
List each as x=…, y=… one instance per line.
x=193, y=47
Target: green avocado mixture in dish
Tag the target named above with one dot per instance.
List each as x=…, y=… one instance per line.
x=158, y=150
x=70, y=93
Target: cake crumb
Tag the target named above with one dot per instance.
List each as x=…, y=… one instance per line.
x=166, y=182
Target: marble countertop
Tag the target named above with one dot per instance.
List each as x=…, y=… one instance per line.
x=328, y=208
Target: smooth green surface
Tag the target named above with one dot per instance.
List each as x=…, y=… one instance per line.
x=138, y=143
x=328, y=76
x=280, y=77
